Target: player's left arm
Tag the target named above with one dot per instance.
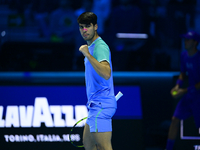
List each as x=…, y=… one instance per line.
x=102, y=68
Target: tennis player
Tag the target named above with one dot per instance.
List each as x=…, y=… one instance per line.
x=99, y=85
x=189, y=105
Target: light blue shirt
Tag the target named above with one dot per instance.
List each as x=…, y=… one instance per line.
x=99, y=90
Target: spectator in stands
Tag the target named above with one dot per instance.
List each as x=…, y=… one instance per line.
x=63, y=22
x=102, y=9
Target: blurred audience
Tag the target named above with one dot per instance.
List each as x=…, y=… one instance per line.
x=63, y=22
x=39, y=11
x=102, y=9
x=162, y=20
x=197, y=17
x=86, y=5
x=58, y=24
x=179, y=11
x=170, y=21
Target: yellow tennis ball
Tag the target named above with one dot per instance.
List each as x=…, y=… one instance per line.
x=174, y=92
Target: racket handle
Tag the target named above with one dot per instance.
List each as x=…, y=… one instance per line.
x=119, y=94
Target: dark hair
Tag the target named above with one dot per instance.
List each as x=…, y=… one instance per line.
x=87, y=18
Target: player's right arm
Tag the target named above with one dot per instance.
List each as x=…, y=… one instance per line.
x=102, y=68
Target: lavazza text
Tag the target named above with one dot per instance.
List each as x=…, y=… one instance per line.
x=41, y=112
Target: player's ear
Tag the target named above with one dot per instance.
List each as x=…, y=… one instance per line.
x=95, y=27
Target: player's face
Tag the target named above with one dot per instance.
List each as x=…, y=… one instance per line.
x=190, y=44
x=87, y=31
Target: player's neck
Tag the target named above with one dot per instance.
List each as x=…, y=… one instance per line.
x=93, y=39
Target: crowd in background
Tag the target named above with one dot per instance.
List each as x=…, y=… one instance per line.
x=56, y=21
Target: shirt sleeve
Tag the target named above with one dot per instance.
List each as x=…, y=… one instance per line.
x=101, y=53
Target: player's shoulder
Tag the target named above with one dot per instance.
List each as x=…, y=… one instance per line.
x=101, y=43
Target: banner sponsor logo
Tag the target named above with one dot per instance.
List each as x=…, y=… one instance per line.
x=42, y=112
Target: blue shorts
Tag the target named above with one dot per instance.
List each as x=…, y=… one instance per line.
x=100, y=119
x=188, y=106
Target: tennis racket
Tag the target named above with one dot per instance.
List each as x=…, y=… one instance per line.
x=75, y=138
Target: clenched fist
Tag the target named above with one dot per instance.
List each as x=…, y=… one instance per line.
x=84, y=50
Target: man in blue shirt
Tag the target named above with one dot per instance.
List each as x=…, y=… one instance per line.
x=189, y=105
x=99, y=85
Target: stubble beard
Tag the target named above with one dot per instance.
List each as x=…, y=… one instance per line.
x=90, y=38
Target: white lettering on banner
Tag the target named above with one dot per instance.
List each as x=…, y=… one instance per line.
x=69, y=115
x=12, y=116
x=42, y=138
x=81, y=112
x=26, y=116
x=1, y=116
x=42, y=112
x=49, y=138
x=58, y=121
x=19, y=138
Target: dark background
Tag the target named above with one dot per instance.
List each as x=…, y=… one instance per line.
x=43, y=35
x=30, y=43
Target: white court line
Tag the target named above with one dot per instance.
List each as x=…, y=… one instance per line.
x=187, y=137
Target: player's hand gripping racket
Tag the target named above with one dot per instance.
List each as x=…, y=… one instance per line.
x=75, y=138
